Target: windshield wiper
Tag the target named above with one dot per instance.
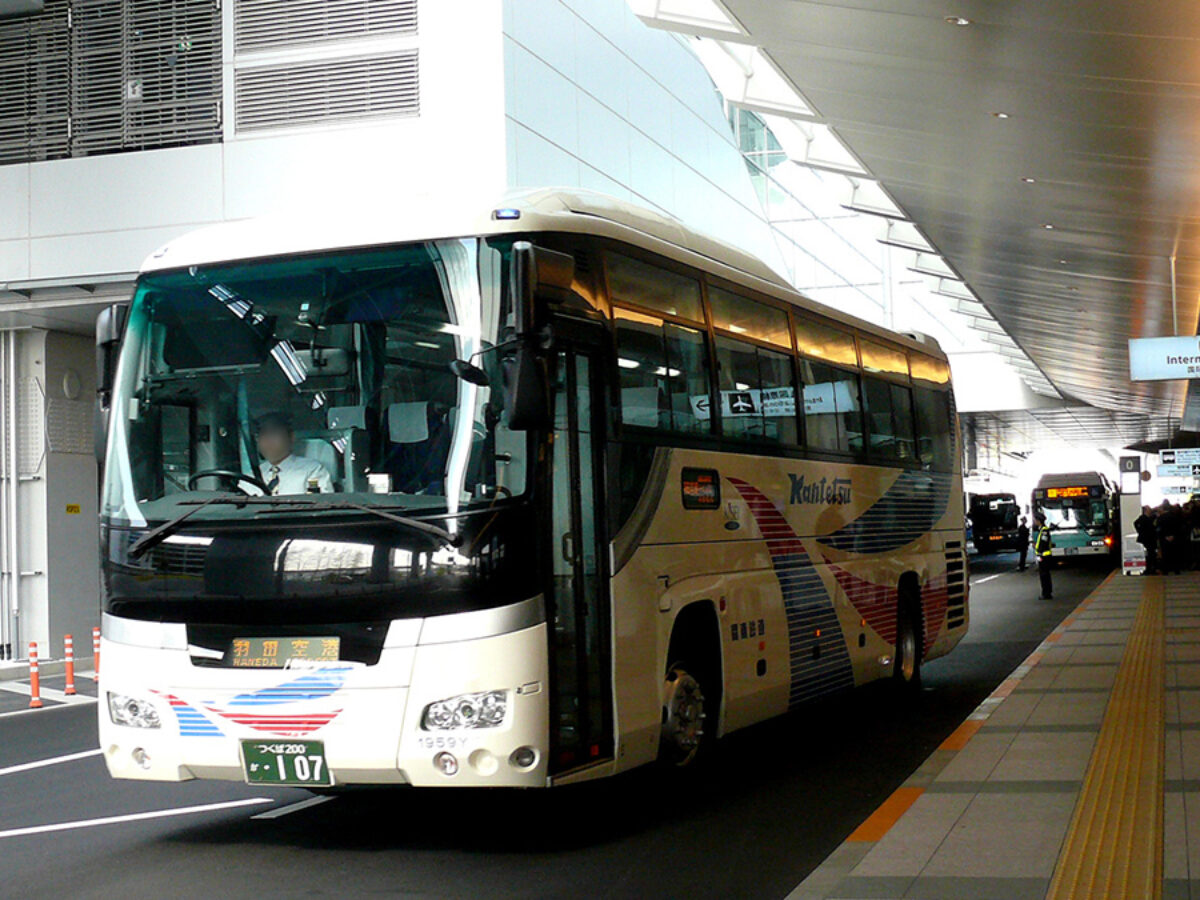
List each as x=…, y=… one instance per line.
x=153, y=538
x=156, y=536
x=441, y=534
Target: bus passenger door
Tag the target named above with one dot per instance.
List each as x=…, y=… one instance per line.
x=581, y=728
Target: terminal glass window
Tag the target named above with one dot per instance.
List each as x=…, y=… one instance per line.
x=758, y=394
x=663, y=371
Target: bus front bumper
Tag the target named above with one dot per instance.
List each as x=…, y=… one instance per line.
x=365, y=722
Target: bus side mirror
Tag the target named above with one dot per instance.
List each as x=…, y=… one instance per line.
x=110, y=325
x=537, y=278
x=526, y=403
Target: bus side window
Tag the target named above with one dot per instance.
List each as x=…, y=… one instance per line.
x=663, y=370
x=878, y=399
x=934, y=427
x=832, y=411
x=889, y=411
x=758, y=397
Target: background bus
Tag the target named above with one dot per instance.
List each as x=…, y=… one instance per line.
x=1081, y=509
x=994, y=519
x=596, y=491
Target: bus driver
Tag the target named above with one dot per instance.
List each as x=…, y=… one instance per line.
x=282, y=471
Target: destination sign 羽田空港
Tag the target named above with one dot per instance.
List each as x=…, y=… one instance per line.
x=274, y=653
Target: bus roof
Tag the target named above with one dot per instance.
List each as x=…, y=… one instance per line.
x=346, y=226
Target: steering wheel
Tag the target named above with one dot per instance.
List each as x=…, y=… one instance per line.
x=232, y=476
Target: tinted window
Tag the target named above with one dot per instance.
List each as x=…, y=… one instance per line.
x=758, y=394
x=832, y=414
x=889, y=414
x=935, y=428
x=663, y=372
x=878, y=358
x=824, y=342
x=926, y=368
x=643, y=284
x=747, y=317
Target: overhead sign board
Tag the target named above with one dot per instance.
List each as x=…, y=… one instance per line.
x=1178, y=471
x=1164, y=359
x=1179, y=457
x=1171, y=490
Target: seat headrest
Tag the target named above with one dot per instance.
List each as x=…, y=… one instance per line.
x=408, y=423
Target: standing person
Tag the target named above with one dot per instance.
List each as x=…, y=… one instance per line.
x=1042, y=546
x=1023, y=541
x=1147, y=536
x=1168, y=525
x=1193, y=533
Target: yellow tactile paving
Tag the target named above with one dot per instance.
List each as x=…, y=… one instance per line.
x=1113, y=848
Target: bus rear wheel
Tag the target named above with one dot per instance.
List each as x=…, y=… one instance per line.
x=682, y=718
x=906, y=671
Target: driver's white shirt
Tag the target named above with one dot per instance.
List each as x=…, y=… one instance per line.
x=294, y=473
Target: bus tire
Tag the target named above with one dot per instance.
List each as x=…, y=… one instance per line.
x=691, y=695
x=684, y=717
x=906, y=669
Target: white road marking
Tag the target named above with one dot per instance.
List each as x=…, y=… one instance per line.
x=53, y=761
x=133, y=817
x=989, y=578
x=16, y=687
x=43, y=710
x=291, y=808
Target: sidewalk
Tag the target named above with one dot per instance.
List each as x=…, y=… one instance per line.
x=1078, y=777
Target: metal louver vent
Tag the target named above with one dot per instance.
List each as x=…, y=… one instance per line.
x=144, y=73
x=269, y=24
x=34, y=87
x=282, y=96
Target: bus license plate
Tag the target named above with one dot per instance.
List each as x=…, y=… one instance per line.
x=299, y=763
x=1072, y=551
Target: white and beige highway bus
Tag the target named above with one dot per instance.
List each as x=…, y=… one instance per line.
x=568, y=489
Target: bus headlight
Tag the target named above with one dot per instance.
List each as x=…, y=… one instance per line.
x=482, y=710
x=132, y=711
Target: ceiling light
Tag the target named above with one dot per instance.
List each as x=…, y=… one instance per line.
x=1000, y=115
x=1048, y=226
x=1062, y=262
x=1029, y=180
x=957, y=20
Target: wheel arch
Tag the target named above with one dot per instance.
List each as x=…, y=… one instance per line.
x=696, y=637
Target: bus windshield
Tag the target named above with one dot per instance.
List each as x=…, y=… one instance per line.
x=1089, y=514
x=994, y=511
x=323, y=374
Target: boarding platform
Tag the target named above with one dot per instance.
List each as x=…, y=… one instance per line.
x=1079, y=777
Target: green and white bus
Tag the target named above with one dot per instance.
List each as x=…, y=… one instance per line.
x=579, y=490
x=1082, y=510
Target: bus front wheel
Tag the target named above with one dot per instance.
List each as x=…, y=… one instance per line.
x=683, y=717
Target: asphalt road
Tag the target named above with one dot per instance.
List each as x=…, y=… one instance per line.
x=775, y=800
